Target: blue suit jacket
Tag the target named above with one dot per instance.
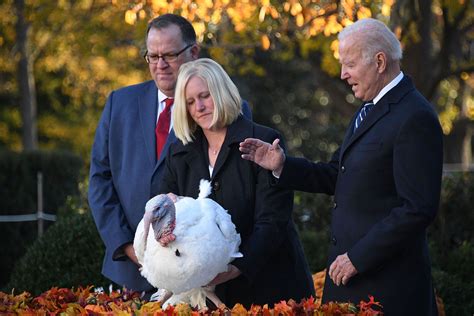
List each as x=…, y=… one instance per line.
x=386, y=181
x=123, y=160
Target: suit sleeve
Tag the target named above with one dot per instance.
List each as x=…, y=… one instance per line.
x=167, y=182
x=103, y=199
x=273, y=209
x=246, y=111
x=417, y=169
x=304, y=175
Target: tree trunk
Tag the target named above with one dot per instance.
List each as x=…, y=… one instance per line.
x=466, y=151
x=26, y=80
x=414, y=18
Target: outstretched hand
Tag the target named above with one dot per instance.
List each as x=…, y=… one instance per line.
x=266, y=155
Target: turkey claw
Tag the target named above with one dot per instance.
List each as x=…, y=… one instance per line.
x=161, y=296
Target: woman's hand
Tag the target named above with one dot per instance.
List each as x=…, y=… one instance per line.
x=231, y=273
x=173, y=197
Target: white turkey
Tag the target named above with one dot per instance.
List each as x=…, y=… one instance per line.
x=193, y=240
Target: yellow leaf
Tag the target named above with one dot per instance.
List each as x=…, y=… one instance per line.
x=296, y=8
x=261, y=15
x=130, y=17
x=332, y=26
x=274, y=13
x=200, y=28
x=363, y=12
x=265, y=42
x=335, y=48
x=300, y=20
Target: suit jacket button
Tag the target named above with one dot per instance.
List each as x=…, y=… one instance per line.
x=335, y=205
x=216, y=185
x=343, y=168
x=334, y=240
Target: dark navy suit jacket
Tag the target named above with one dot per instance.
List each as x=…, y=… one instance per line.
x=386, y=181
x=122, y=163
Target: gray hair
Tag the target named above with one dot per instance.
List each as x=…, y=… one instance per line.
x=374, y=37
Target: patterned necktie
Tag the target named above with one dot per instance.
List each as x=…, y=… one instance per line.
x=363, y=113
x=163, y=127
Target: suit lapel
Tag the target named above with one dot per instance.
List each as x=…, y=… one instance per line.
x=171, y=139
x=195, y=158
x=379, y=110
x=147, y=107
x=382, y=108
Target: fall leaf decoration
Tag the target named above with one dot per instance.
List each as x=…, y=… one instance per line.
x=86, y=301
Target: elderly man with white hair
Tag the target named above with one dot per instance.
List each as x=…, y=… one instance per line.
x=385, y=178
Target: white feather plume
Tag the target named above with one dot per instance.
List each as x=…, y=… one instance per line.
x=204, y=189
x=206, y=242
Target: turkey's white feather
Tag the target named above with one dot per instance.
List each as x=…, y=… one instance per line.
x=206, y=241
x=204, y=189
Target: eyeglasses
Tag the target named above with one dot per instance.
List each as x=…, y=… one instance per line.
x=167, y=58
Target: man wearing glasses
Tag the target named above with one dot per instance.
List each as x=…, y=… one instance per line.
x=131, y=140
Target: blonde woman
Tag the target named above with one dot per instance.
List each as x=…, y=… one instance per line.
x=207, y=119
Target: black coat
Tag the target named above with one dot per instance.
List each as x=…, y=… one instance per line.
x=386, y=181
x=273, y=267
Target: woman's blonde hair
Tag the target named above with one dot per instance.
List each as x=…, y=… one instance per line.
x=224, y=94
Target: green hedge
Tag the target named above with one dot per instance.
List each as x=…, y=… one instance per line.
x=451, y=239
x=61, y=174
x=68, y=255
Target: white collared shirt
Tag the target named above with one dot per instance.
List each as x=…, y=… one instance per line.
x=161, y=107
x=388, y=87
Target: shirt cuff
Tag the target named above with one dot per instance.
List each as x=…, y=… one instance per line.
x=274, y=174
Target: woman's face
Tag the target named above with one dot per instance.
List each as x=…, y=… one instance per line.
x=199, y=102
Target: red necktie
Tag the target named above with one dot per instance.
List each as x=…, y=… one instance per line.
x=163, y=127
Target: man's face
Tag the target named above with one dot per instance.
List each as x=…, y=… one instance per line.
x=362, y=75
x=166, y=41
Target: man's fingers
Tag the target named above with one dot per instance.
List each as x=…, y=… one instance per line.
x=332, y=267
x=275, y=144
x=345, y=279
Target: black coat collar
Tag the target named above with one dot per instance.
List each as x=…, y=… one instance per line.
x=195, y=152
x=382, y=108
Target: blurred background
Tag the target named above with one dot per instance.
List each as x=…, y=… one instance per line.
x=59, y=60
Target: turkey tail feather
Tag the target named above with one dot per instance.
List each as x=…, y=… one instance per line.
x=204, y=189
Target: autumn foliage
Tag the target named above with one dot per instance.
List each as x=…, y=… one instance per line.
x=86, y=301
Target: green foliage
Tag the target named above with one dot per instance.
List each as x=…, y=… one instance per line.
x=452, y=275
x=311, y=214
x=452, y=244
x=18, y=180
x=81, y=51
x=68, y=255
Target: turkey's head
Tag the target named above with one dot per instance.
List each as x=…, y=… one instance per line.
x=160, y=213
